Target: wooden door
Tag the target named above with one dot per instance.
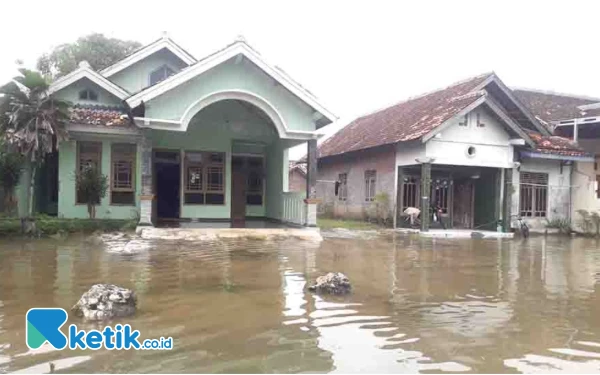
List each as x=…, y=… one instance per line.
x=238, y=195
x=462, y=215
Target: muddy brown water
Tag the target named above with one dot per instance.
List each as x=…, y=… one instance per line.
x=418, y=305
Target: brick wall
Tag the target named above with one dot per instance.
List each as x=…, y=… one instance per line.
x=380, y=159
x=297, y=181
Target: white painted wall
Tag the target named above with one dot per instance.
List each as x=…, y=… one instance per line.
x=407, y=153
x=490, y=142
x=584, y=188
x=558, y=190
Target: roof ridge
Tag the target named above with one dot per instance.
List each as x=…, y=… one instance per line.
x=556, y=93
x=409, y=99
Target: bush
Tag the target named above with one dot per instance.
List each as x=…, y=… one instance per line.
x=589, y=222
x=562, y=224
x=48, y=225
x=11, y=168
x=91, y=187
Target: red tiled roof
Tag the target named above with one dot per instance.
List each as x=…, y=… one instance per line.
x=99, y=116
x=554, y=107
x=556, y=145
x=404, y=121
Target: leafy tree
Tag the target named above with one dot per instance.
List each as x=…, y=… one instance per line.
x=31, y=122
x=11, y=168
x=98, y=50
x=91, y=187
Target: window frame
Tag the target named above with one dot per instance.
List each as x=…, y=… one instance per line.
x=370, y=185
x=98, y=154
x=88, y=96
x=163, y=67
x=343, y=187
x=133, y=161
x=204, y=165
x=535, y=190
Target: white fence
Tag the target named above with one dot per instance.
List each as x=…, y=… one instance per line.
x=294, y=208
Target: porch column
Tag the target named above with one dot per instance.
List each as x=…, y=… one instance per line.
x=399, y=196
x=425, y=191
x=311, y=184
x=147, y=196
x=506, y=199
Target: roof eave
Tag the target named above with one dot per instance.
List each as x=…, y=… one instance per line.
x=234, y=49
x=85, y=71
x=146, y=51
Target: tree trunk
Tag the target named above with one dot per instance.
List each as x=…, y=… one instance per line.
x=31, y=191
x=92, y=211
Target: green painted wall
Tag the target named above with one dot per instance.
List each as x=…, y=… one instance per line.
x=277, y=167
x=217, y=128
x=137, y=76
x=231, y=76
x=71, y=94
x=66, y=186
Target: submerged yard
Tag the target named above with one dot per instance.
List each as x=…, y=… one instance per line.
x=241, y=305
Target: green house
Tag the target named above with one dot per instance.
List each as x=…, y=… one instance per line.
x=185, y=139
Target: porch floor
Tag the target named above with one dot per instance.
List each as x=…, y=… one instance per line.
x=458, y=233
x=250, y=223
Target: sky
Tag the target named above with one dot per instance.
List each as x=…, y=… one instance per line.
x=356, y=57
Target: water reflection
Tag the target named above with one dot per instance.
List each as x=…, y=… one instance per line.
x=242, y=306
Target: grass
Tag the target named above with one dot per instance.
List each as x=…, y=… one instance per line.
x=48, y=225
x=345, y=224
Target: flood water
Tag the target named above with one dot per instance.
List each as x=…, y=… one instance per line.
x=418, y=305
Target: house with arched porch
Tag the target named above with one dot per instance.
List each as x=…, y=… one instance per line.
x=186, y=139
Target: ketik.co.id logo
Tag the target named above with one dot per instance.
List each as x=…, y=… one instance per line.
x=43, y=325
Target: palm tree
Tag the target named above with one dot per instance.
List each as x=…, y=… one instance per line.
x=32, y=123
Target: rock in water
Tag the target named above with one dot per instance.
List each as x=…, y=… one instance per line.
x=105, y=301
x=332, y=283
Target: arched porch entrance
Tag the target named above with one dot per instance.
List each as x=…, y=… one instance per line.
x=227, y=163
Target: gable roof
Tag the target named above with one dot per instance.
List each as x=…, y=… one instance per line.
x=163, y=43
x=239, y=47
x=420, y=117
x=551, y=107
x=85, y=71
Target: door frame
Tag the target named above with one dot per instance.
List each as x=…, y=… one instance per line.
x=235, y=172
x=154, y=175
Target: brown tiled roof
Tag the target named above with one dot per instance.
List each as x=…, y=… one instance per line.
x=554, y=107
x=556, y=145
x=404, y=121
x=99, y=116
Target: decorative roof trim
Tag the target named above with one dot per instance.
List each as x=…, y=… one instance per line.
x=508, y=92
x=142, y=53
x=86, y=71
x=553, y=156
x=237, y=48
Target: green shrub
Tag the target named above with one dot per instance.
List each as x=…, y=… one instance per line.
x=91, y=187
x=11, y=168
x=562, y=224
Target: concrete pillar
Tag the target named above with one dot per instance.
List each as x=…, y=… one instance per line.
x=399, y=196
x=311, y=184
x=147, y=196
x=506, y=204
x=425, y=192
